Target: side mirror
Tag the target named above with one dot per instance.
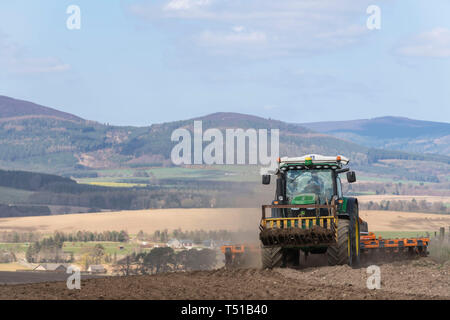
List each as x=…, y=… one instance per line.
x=266, y=179
x=351, y=176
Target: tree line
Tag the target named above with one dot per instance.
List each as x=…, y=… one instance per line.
x=408, y=206
x=165, y=259
x=61, y=237
x=19, y=237
x=46, y=250
x=89, y=236
x=125, y=199
x=10, y=211
x=31, y=181
x=374, y=155
x=50, y=249
x=197, y=236
x=398, y=188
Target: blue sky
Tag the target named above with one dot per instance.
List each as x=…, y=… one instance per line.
x=149, y=61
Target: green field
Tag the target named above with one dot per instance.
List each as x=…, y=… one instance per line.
x=110, y=247
x=78, y=247
x=14, y=247
x=127, y=178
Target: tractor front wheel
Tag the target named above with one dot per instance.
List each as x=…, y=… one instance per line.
x=339, y=253
x=272, y=257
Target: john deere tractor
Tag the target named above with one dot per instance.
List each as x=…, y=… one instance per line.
x=310, y=214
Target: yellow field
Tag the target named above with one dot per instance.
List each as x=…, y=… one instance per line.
x=11, y=267
x=117, y=184
x=207, y=219
x=133, y=221
x=404, y=221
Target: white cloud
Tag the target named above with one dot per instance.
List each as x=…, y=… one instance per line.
x=220, y=39
x=279, y=27
x=38, y=65
x=434, y=43
x=185, y=4
x=238, y=28
x=348, y=32
x=15, y=58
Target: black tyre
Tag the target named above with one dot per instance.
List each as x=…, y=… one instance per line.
x=356, y=237
x=228, y=258
x=291, y=258
x=340, y=253
x=272, y=257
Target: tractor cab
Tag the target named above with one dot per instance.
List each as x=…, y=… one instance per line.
x=309, y=180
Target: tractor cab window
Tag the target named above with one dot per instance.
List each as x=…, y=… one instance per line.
x=339, y=187
x=314, y=185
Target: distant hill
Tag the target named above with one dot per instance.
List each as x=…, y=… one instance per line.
x=294, y=139
x=239, y=120
x=38, y=138
x=394, y=133
x=13, y=108
x=43, y=139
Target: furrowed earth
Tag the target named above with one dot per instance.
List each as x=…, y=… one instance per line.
x=411, y=279
x=414, y=279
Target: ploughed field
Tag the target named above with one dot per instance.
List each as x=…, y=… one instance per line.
x=27, y=277
x=413, y=279
x=206, y=219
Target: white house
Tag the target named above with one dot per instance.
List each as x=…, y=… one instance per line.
x=174, y=244
x=187, y=244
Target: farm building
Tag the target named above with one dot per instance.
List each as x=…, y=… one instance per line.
x=145, y=245
x=98, y=268
x=180, y=244
x=54, y=267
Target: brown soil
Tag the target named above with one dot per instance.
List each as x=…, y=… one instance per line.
x=418, y=279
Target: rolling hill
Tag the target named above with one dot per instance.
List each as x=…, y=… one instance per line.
x=38, y=138
x=294, y=139
x=394, y=133
x=11, y=109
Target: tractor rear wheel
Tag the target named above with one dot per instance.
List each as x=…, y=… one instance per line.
x=272, y=257
x=339, y=253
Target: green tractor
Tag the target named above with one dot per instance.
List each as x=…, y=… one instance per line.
x=310, y=214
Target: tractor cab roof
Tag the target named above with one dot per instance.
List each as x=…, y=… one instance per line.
x=315, y=159
x=312, y=161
